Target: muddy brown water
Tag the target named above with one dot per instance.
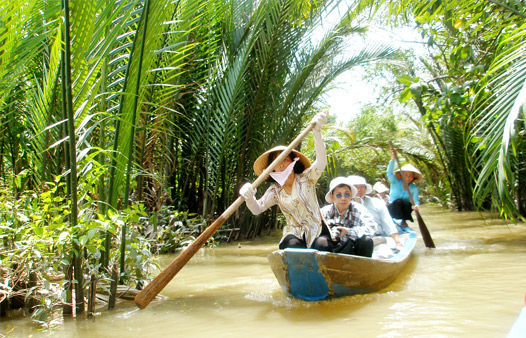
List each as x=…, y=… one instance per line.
x=472, y=285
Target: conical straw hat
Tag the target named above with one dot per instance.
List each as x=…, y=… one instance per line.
x=262, y=161
x=411, y=168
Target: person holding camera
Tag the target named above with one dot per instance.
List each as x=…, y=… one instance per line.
x=348, y=220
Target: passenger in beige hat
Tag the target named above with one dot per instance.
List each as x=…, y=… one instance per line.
x=294, y=191
x=378, y=209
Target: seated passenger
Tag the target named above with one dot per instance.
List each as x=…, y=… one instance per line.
x=380, y=190
x=349, y=220
x=378, y=209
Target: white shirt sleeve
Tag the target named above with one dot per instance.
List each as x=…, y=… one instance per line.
x=321, y=153
x=266, y=201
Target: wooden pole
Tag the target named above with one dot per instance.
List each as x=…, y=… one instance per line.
x=92, y=295
x=113, y=287
x=67, y=307
x=33, y=301
x=428, y=241
x=151, y=290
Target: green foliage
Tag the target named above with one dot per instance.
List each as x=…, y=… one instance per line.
x=162, y=99
x=169, y=229
x=500, y=129
x=362, y=148
x=153, y=107
x=470, y=94
x=36, y=234
x=447, y=84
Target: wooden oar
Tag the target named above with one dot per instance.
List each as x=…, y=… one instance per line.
x=428, y=241
x=151, y=290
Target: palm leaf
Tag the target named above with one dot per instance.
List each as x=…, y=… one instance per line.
x=497, y=125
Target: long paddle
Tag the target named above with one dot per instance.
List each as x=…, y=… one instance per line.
x=143, y=298
x=428, y=241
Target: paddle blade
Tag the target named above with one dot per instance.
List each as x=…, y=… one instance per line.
x=143, y=298
x=428, y=241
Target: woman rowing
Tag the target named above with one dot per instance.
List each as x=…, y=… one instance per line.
x=294, y=191
x=400, y=206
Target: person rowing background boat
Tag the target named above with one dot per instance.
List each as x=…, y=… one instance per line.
x=400, y=206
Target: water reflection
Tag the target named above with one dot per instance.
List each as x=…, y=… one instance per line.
x=472, y=285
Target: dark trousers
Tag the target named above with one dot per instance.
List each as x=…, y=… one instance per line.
x=401, y=209
x=321, y=243
x=362, y=246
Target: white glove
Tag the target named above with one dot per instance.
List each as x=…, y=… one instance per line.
x=247, y=192
x=320, y=119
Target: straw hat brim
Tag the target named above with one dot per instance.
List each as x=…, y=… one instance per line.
x=261, y=162
x=410, y=168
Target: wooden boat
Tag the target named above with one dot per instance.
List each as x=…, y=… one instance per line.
x=314, y=275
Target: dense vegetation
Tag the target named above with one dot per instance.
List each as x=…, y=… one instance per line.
x=127, y=126
x=463, y=104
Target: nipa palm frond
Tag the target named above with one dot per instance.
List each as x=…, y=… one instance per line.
x=496, y=128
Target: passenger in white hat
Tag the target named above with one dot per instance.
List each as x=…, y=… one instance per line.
x=294, y=191
x=350, y=220
x=400, y=206
x=377, y=209
x=381, y=191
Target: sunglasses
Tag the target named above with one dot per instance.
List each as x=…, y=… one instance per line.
x=347, y=195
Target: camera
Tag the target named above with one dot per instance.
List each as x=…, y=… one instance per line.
x=335, y=231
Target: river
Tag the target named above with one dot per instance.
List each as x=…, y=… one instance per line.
x=472, y=285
